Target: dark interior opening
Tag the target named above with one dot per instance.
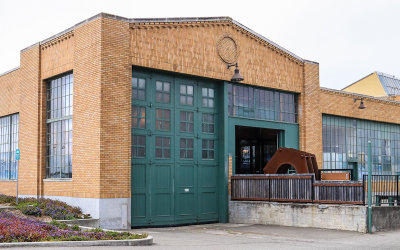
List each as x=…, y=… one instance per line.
x=254, y=148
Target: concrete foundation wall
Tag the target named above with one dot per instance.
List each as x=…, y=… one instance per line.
x=112, y=213
x=341, y=217
x=385, y=218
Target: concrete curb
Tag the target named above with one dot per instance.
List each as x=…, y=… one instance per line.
x=94, y=223
x=5, y=208
x=135, y=242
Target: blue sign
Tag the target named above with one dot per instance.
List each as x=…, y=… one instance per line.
x=17, y=154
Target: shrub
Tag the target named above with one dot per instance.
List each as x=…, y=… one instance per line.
x=75, y=228
x=75, y=238
x=31, y=210
x=96, y=230
x=6, y=199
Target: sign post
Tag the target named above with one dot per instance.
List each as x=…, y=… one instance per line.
x=17, y=158
x=369, y=188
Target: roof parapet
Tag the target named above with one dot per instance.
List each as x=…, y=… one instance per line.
x=358, y=95
x=169, y=20
x=9, y=71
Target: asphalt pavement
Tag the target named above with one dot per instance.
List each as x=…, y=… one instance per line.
x=247, y=236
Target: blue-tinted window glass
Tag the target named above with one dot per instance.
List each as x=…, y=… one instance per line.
x=59, y=127
x=345, y=145
x=9, y=136
x=263, y=104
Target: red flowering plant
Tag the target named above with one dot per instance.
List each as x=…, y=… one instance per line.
x=57, y=210
x=14, y=229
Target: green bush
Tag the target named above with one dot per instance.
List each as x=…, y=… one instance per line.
x=112, y=234
x=6, y=199
x=31, y=210
x=75, y=238
x=75, y=228
x=97, y=230
x=60, y=225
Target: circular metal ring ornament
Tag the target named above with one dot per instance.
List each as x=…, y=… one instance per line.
x=228, y=49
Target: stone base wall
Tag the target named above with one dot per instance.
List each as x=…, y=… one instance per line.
x=341, y=217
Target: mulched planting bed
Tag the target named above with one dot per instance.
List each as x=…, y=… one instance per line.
x=15, y=229
x=57, y=210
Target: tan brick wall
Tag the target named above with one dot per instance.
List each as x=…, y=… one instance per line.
x=8, y=187
x=102, y=113
x=342, y=104
x=9, y=104
x=191, y=49
x=10, y=93
x=57, y=55
x=310, y=119
x=87, y=113
x=116, y=104
x=98, y=53
x=29, y=120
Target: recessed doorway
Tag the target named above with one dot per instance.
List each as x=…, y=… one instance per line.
x=254, y=148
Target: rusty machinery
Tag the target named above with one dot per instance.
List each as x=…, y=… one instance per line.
x=285, y=158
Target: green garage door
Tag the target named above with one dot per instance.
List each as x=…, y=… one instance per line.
x=174, y=150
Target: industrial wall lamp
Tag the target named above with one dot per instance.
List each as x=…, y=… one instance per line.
x=362, y=106
x=237, y=77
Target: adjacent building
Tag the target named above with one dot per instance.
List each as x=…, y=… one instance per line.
x=137, y=121
x=377, y=84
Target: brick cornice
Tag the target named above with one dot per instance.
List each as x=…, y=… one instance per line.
x=57, y=40
x=227, y=22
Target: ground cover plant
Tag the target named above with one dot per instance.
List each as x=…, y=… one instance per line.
x=14, y=229
x=57, y=210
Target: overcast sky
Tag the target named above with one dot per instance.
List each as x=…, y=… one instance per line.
x=349, y=39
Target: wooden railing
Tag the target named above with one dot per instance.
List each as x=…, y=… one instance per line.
x=295, y=188
x=339, y=192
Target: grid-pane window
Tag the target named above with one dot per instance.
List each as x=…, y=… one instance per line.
x=59, y=97
x=207, y=97
x=287, y=107
x=345, y=145
x=9, y=136
x=163, y=92
x=186, y=148
x=138, y=89
x=186, y=94
x=139, y=146
x=59, y=127
x=207, y=151
x=163, y=119
x=262, y=104
x=208, y=123
x=163, y=147
x=186, y=121
x=138, y=117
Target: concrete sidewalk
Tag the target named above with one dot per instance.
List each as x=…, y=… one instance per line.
x=247, y=236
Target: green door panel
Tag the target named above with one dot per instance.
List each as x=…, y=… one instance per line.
x=176, y=182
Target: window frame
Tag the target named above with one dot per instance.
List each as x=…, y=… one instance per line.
x=8, y=146
x=163, y=92
x=64, y=124
x=186, y=95
x=186, y=122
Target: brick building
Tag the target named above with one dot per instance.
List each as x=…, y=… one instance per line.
x=137, y=121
